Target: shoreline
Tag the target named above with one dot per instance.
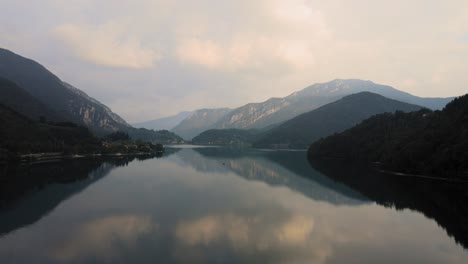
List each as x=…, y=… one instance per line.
x=41, y=158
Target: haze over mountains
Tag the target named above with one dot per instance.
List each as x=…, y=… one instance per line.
x=167, y=123
x=199, y=121
x=277, y=110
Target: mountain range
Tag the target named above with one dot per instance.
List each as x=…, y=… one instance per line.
x=277, y=110
x=301, y=131
x=33, y=91
x=342, y=114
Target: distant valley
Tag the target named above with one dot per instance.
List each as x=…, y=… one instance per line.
x=165, y=123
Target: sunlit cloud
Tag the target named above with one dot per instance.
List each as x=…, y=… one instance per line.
x=107, y=44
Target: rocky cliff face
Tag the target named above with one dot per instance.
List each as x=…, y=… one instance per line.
x=93, y=113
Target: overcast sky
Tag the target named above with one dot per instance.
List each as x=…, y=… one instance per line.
x=152, y=58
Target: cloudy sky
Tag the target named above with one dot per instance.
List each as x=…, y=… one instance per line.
x=152, y=58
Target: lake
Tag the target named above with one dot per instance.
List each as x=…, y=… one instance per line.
x=220, y=205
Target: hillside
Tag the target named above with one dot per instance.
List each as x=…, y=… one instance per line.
x=22, y=102
x=73, y=104
x=166, y=123
x=226, y=137
x=199, y=121
x=423, y=142
x=159, y=136
x=304, y=129
x=19, y=134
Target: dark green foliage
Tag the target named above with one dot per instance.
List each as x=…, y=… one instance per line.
x=24, y=103
x=226, y=137
x=161, y=136
x=159, y=147
x=304, y=129
x=19, y=134
x=117, y=136
x=423, y=142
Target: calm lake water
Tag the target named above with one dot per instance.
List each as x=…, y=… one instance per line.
x=217, y=205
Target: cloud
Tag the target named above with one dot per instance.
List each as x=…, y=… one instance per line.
x=108, y=44
x=202, y=52
x=300, y=35
x=198, y=54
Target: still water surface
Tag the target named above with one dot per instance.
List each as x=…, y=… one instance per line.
x=209, y=205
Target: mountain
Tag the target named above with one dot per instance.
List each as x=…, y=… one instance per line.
x=335, y=117
x=72, y=104
x=423, y=142
x=199, y=121
x=19, y=134
x=226, y=137
x=106, y=109
x=167, y=123
x=22, y=102
x=277, y=110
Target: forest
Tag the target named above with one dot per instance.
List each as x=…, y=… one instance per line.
x=424, y=142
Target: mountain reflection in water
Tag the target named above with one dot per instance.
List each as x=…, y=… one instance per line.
x=442, y=201
x=217, y=206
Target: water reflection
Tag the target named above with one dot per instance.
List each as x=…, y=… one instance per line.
x=27, y=193
x=192, y=208
x=276, y=168
x=444, y=202
x=97, y=237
